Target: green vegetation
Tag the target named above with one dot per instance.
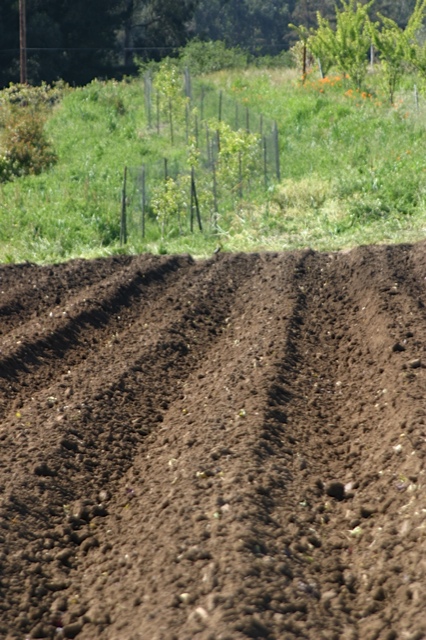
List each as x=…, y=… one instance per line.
x=25, y=148
x=347, y=45
x=353, y=168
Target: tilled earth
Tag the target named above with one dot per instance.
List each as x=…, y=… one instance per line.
x=215, y=450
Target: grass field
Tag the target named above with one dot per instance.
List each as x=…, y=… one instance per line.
x=353, y=171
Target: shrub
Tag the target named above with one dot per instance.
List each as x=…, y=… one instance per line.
x=25, y=148
x=24, y=95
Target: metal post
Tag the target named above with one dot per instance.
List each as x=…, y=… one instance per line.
x=188, y=88
x=171, y=121
x=277, y=152
x=197, y=209
x=143, y=186
x=123, y=222
x=208, y=146
x=304, y=60
x=148, y=96
x=187, y=123
x=240, y=175
x=22, y=42
x=195, y=200
x=202, y=104
x=191, y=219
x=215, y=201
x=265, y=163
x=158, y=112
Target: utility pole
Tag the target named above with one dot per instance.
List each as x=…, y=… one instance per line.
x=22, y=42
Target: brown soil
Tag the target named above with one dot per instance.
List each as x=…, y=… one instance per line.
x=216, y=450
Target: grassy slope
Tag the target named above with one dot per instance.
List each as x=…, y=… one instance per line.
x=353, y=171
x=353, y=167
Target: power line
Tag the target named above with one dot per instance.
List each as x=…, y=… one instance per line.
x=119, y=50
x=91, y=49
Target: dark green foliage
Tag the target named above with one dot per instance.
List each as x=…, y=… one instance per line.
x=72, y=40
x=77, y=40
x=399, y=11
x=153, y=29
x=260, y=26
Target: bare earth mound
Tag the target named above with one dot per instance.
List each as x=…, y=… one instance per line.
x=216, y=450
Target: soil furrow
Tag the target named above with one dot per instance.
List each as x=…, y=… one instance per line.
x=47, y=286
x=339, y=516
x=201, y=454
x=142, y=386
x=63, y=329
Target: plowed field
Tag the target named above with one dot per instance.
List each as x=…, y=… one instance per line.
x=215, y=450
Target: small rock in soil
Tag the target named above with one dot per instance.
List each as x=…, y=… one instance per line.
x=398, y=347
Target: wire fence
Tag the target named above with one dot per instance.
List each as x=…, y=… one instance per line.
x=232, y=156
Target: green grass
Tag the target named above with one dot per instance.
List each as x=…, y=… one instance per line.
x=353, y=167
x=353, y=172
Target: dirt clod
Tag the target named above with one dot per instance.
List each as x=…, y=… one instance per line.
x=335, y=490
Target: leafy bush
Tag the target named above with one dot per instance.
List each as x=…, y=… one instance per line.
x=347, y=46
x=25, y=148
x=170, y=203
x=24, y=95
x=238, y=155
x=396, y=46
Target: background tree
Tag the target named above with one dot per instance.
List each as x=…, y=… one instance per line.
x=399, y=11
x=260, y=26
x=347, y=45
x=78, y=40
x=69, y=39
x=397, y=46
x=154, y=28
x=305, y=12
